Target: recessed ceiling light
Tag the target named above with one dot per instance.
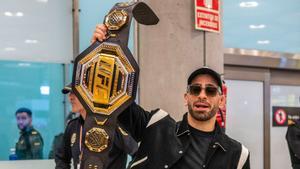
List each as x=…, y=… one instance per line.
x=19, y=14
x=8, y=13
x=263, y=42
x=8, y=49
x=31, y=41
x=249, y=4
x=43, y=1
x=261, y=26
x=45, y=90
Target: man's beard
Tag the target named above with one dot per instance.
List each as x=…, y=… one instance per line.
x=24, y=127
x=202, y=116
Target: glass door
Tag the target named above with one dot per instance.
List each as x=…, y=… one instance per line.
x=283, y=96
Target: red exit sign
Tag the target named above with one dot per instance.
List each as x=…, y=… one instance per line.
x=207, y=15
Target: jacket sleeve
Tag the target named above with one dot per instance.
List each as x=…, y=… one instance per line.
x=244, y=159
x=63, y=154
x=37, y=144
x=135, y=119
x=247, y=163
x=125, y=141
x=292, y=137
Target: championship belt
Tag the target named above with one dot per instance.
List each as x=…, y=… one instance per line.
x=105, y=81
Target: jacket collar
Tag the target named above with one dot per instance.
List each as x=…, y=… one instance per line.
x=27, y=129
x=219, y=138
x=183, y=127
x=81, y=120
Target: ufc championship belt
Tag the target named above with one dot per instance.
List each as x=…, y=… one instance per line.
x=105, y=81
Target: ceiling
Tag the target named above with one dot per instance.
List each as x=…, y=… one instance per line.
x=36, y=30
x=269, y=25
x=41, y=30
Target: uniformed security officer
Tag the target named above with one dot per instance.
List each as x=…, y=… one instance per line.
x=30, y=144
x=74, y=137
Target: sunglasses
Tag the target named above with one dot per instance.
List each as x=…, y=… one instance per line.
x=210, y=91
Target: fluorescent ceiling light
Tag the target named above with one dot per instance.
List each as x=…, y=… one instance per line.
x=249, y=4
x=42, y=1
x=8, y=49
x=263, y=42
x=45, y=90
x=31, y=41
x=19, y=14
x=261, y=26
x=24, y=64
x=8, y=13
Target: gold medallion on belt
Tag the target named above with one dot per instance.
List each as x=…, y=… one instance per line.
x=96, y=139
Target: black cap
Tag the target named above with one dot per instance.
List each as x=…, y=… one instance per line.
x=26, y=110
x=206, y=71
x=67, y=89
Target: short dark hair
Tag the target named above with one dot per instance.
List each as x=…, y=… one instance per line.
x=24, y=110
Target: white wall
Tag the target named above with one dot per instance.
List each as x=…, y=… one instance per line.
x=245, y=117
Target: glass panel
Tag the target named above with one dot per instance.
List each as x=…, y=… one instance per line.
x=36, y=86
x=92, y=13
x=245, y=117
x=271, y=25
x=286, y=96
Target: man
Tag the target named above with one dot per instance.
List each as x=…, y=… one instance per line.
x=30, y=144
x=196, y=142
x=293, y=140
x=74, y=140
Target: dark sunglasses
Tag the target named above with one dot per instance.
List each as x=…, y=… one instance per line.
x=210, y=91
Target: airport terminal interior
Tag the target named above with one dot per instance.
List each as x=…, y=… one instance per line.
x=257, y=52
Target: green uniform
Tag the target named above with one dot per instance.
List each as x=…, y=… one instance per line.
x=30, y=145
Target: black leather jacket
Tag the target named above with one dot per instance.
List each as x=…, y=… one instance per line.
x=123, y=144
x=163, y=142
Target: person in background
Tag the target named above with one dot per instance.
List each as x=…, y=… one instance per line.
x=293, y=140
x=123, y=144
x=58, y=139
x=30, y=143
